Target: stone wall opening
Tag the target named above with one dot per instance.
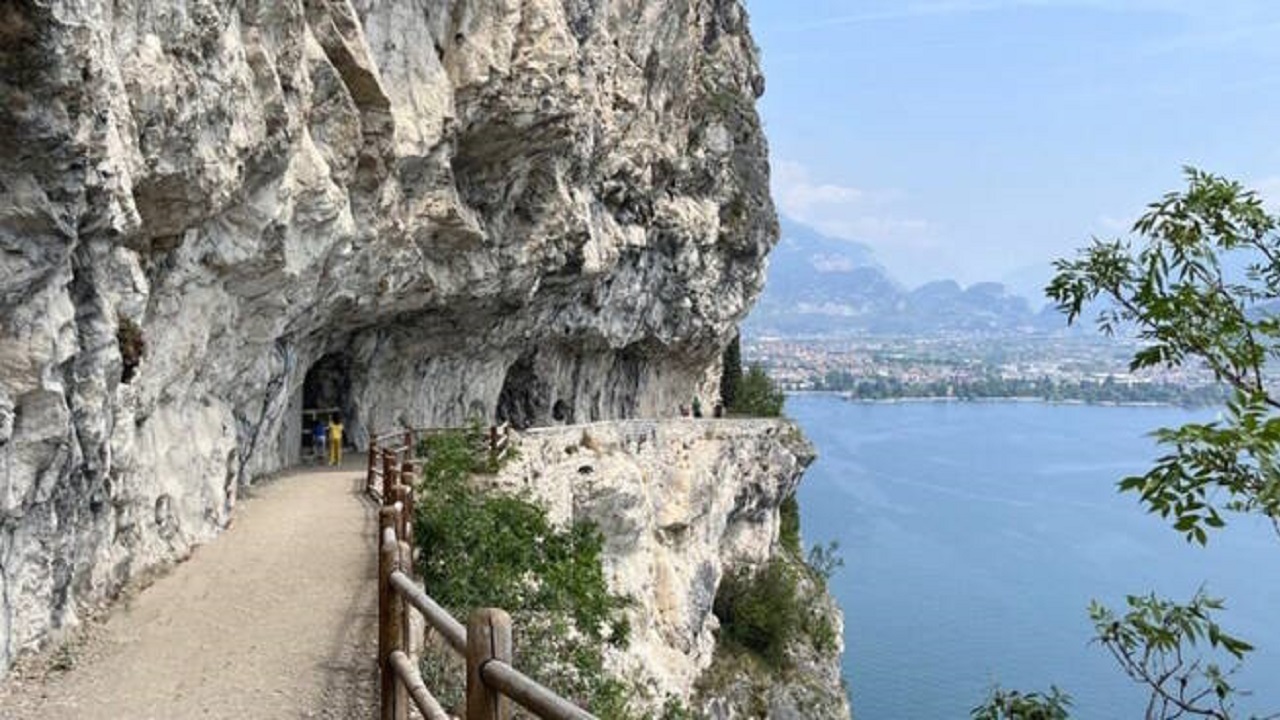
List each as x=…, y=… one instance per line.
x=525, y=399
x=326, y=392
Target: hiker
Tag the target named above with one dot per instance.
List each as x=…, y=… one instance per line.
x=319, y=435
x=335, y=439
x=697, y=406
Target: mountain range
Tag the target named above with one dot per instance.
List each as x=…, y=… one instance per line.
x=823, y=286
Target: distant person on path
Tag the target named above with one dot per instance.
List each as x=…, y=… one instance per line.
x=319, y=434
x=697, y=406
x=335, y=440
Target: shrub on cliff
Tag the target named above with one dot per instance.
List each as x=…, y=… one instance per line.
x=731, y=372
x=494, y=550
x=789, y=526
x=758, y=396
x=760, y=611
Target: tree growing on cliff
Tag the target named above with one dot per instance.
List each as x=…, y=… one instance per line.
x=1202, y=286
x=758, y=395
x=731, y=372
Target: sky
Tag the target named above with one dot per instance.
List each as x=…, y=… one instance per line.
x=980, y=139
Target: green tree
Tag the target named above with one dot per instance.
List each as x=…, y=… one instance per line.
x=731, y=371
x=1200, y=286
x=758, y=396
x=761, y=609
x=1178, y=291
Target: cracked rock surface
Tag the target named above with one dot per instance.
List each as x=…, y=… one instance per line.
x=544, y=210
x=680, y=504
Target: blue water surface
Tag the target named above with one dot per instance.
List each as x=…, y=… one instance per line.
x=975, y=534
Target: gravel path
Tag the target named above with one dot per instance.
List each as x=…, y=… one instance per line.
x=277, y=618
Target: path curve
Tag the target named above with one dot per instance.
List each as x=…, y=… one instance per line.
x=276, y=618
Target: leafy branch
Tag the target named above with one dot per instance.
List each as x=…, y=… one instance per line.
x=1149, y=642
x=1178, y=292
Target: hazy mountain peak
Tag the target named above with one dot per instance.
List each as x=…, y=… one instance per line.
x=819, y=285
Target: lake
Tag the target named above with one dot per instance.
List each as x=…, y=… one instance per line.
x=975, y=534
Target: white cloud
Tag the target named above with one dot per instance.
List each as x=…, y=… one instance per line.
x=798, y=195
x=845, y=211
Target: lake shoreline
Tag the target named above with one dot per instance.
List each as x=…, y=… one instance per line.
x=1010, y=399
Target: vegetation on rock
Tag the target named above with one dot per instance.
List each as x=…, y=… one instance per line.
x=761, y=610
x=731, y=371
x=757, y=395
x=767, y=610
x=493, y=550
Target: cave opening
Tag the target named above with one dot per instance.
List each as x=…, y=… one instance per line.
x=525, y=399
x=326, y=393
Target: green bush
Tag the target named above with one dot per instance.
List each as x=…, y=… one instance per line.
x=789, y=528
x=731, y=372
x=493, y=550
x=824, y=560
x=758, y=396
x=761, y=611
x=821, y=631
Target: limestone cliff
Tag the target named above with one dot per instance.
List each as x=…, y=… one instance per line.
x=532, y=208
x=682, y=503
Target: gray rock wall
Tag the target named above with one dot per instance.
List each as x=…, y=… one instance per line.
x=681, y=503
x=559, y=207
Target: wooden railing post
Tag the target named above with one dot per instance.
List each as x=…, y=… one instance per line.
x=388, y=475
x=386, y=519
x=393, y=703
x=406, y=627
x=409, y=519
x=488, y=638
x=408, y=442
x=400, y=494
x=373, y=464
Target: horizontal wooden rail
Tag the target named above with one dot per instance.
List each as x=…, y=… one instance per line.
x=437, y=617
x=532, y=696
x=485, y=643
x=418, y=692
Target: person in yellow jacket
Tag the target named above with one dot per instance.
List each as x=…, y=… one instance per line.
x=335, y=440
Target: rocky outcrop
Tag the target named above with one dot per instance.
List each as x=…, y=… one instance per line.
x=543, y=209
x=681, y=503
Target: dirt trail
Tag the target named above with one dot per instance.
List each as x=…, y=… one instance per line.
x=277, y=618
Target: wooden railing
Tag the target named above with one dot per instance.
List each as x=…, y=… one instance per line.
x=485, y=643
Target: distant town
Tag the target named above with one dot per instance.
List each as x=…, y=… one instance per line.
x=973, y=367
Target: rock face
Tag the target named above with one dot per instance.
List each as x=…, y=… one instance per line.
x=681, y=503
x=540, y=209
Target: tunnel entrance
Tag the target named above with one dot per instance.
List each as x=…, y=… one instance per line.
x=326, y=392
x=524, y=399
